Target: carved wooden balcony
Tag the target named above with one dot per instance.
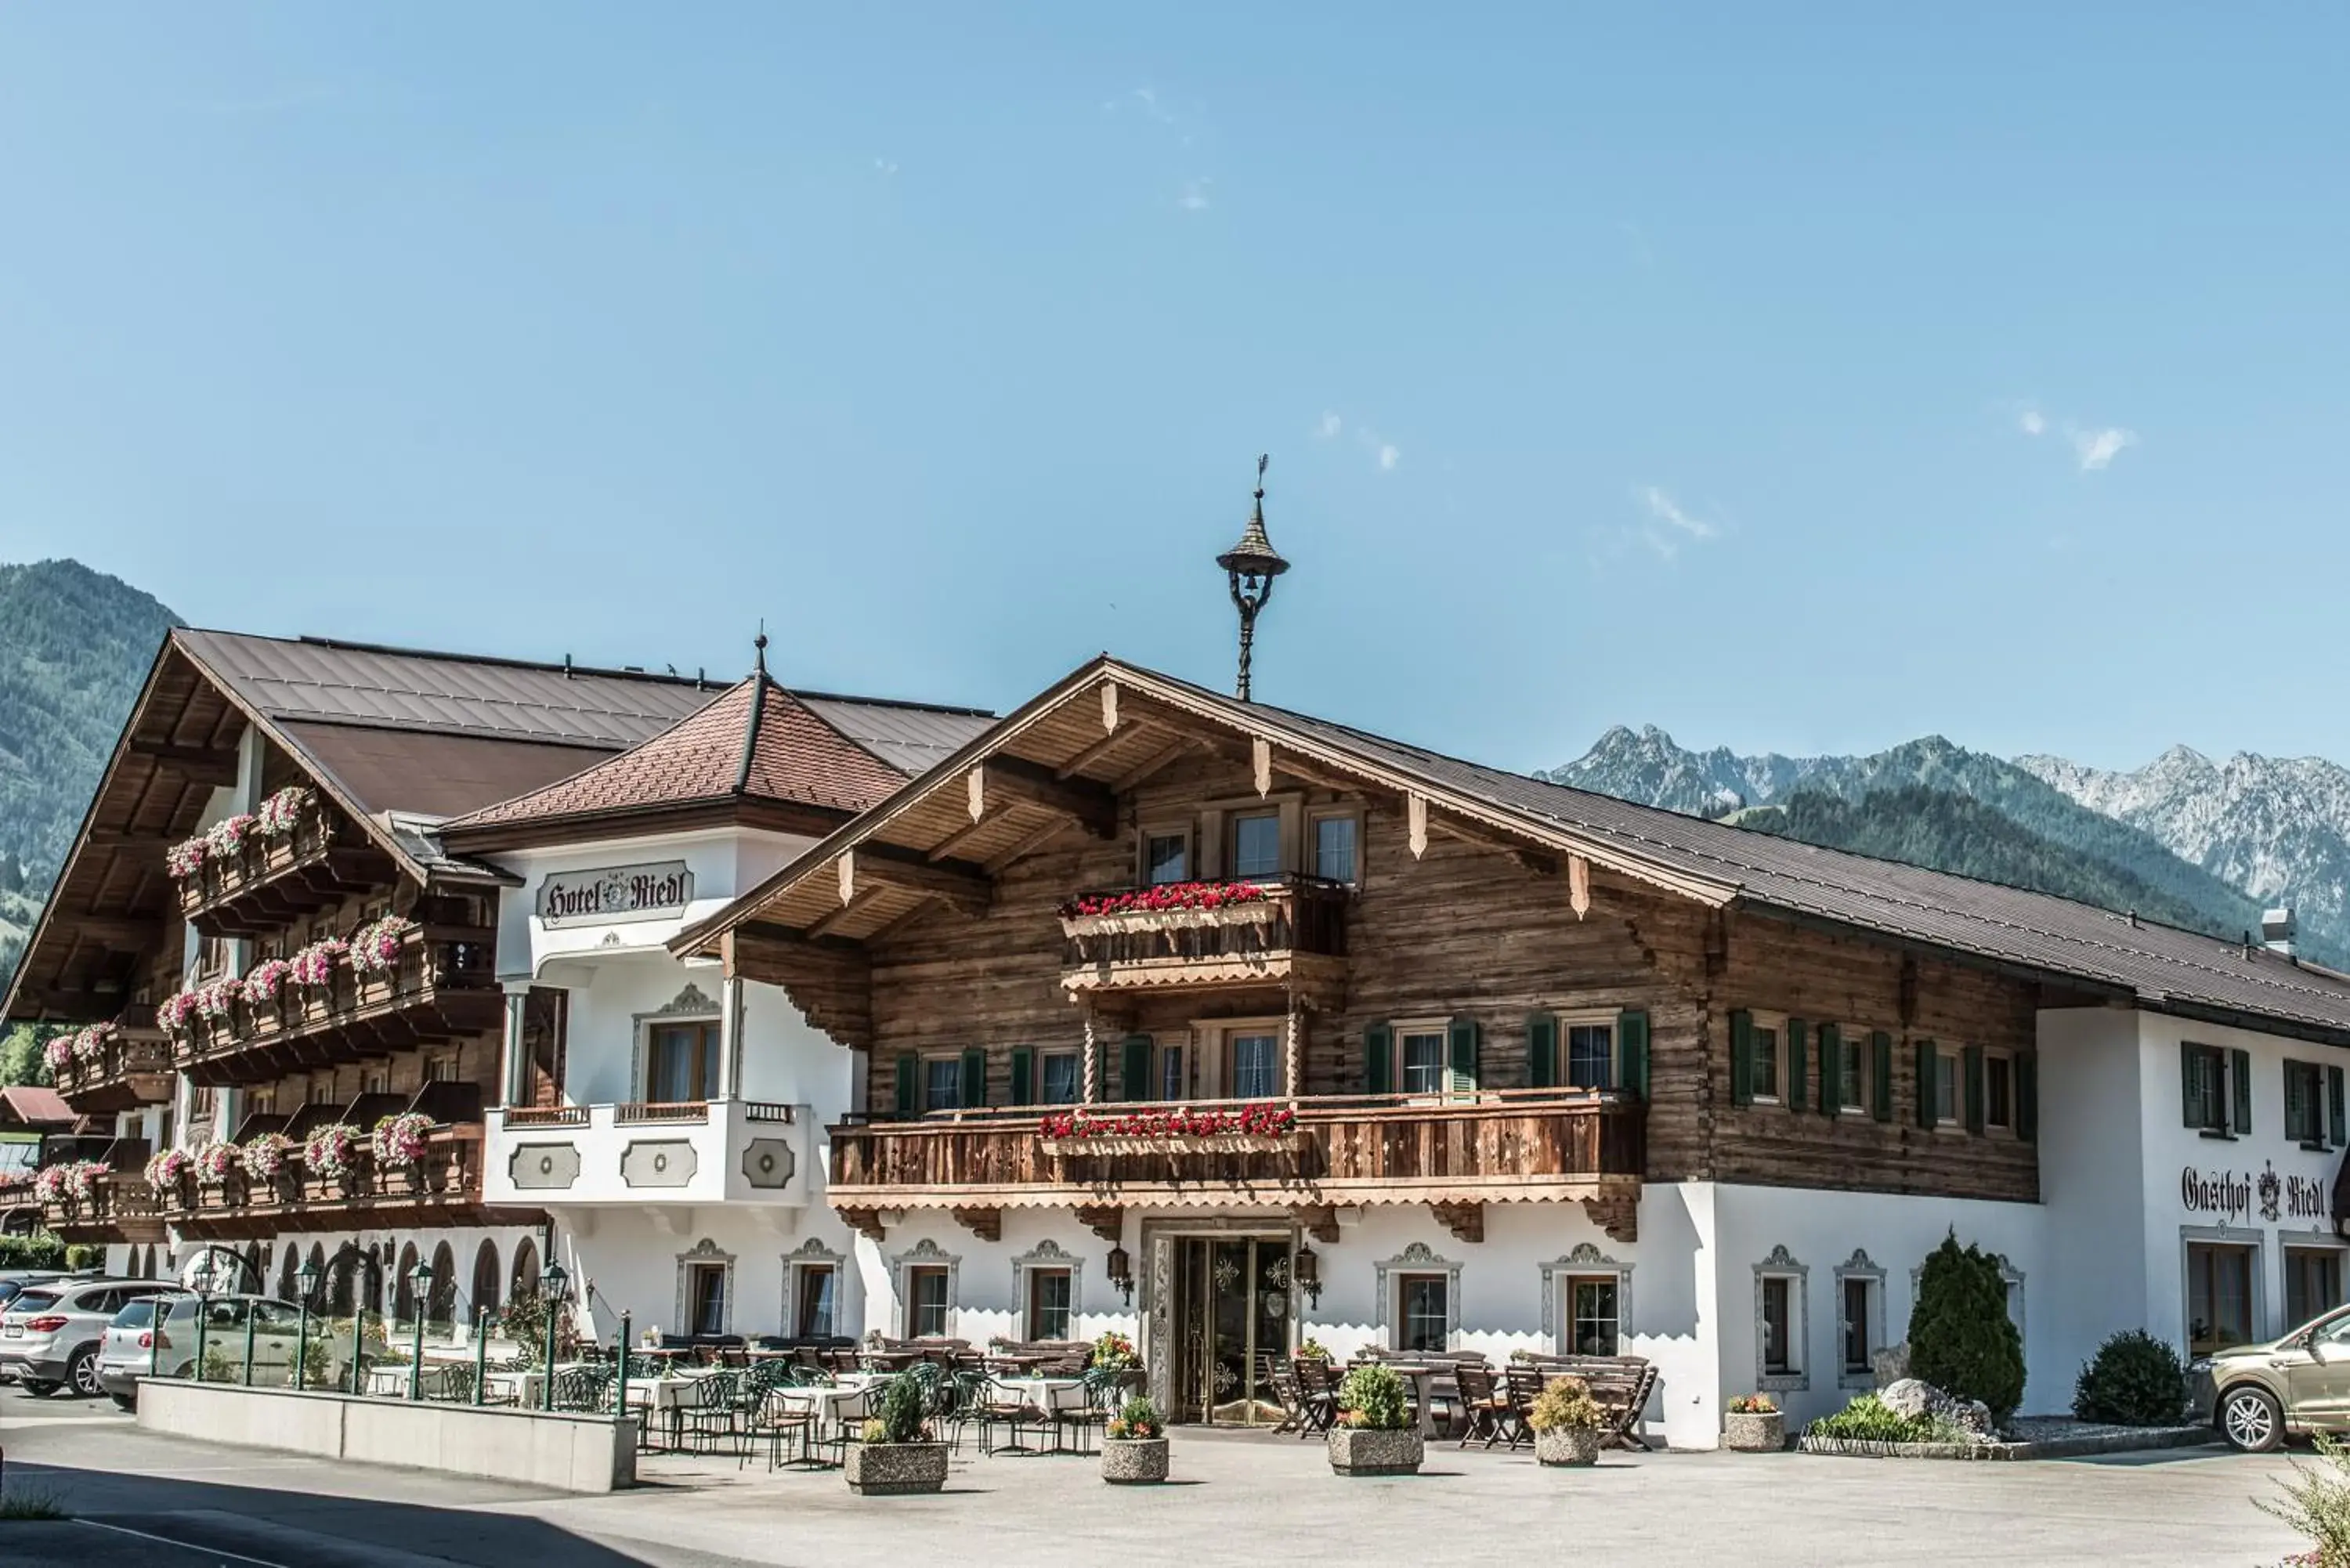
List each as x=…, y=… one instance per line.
x=121, y=1207
x=1200, y=935
x=1498, y=1146
x=269, y=883
x=442, y=1187
x=133, y=1068
x=442, y=987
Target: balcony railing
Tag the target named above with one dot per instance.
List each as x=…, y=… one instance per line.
x=121, y=1207
x=1295, y=926
x=1497, y=1145
x=265, y=883
x=692, y=1152
x=444, y=1186
x=128, y=1070
x=442, y=986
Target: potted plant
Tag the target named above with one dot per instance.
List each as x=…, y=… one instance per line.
x=1754, y=1424
x=1134, y=1445
x=897, y=1457
x=1374, y=1435
x=1567, y=1422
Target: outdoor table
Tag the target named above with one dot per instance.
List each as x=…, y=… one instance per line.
x=523, y=1388
x=1036, y=1392
x=827, y=1404
x=657, y=1397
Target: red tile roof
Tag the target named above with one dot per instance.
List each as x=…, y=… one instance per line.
x=792, y=755
x=28, y=1104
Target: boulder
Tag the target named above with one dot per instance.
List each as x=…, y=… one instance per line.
x=1908, y=1396
x=1973, y=1415
x=1890, y=1365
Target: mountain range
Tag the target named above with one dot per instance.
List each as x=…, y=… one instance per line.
x=2182, y=840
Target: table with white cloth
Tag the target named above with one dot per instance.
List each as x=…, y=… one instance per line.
x=671, y=1396
x=1045, y=1396
x=829, y=1406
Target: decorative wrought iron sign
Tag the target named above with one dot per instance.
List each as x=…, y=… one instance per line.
x=613, y=895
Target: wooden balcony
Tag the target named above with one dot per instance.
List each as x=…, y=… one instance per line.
x=270, y=883
x=132, y=1069
x=444, y=1188
x=1294, y=931
x=1457, y=1154
x=121, y=1207
x=442, y=987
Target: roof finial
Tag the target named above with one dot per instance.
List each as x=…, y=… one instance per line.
x=759, y=646
x=1249, y=567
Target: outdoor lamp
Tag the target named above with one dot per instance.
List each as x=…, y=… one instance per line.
x=1121, y=1272
x=308, y=1277
x=1249, y=567
x=555, y=1286
x=422, y=1278
x=1307, y=1270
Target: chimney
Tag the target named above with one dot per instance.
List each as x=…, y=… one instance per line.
x=2278, y=930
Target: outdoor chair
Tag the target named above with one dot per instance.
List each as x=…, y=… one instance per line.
x=1080, y=1409
x=1010, y=1408
x=456, y=1383
x=1318, y=1395
x=713, y=1413
x=582, y=1390
x=1283, y=1379
x=1484, y=1407
x=771, y=1416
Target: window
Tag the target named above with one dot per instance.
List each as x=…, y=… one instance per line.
x=1256, y=1067
x=1170, y=1073
x=375, y=1081
x=1590, y=1055
x=1422, y=1056
x=1167, y=857
x=1946, y=1088
x=1256, y=845
x=1778, y=1326
x=439, y=1069
x=1334, y=848
x=941, y=1083
x=926, y=1302
x=705, y=1298
x=681, y=1063
x=1593, y=1324
x=322, y=1092
x=2312, y=1283
x=811, y=1299
x=2219, y=1297
x=1999, y=1091
x=1852, y=1071
x=1064, y=1078
x=1048, y=1303
x=1764, y=1085
x=1855, y=1326
x=1424, y=1315
x=2305, y=1104
x=2205, y=1068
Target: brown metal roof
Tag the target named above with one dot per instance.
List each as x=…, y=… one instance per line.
x=31, y=1105
x=429, y=774
x=2156, y=966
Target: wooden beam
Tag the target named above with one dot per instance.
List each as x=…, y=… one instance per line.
x=922, y=910
x=110, y=928
x=865, y=900
x=199, y=762
x=866, y=1222
x=987, y=1224
x=1319, y=1221
x=1465, y=1220
x=1026, y=846
x=1106, y=1221
x=965, y=886
x=955, y=843
x=1007, y=780
x=1159, y=759
x=1102, y=748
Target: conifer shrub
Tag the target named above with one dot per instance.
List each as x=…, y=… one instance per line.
x=2134, y=1380
x=1961, y=1338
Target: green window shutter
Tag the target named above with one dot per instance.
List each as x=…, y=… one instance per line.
x=1971, y=1063
x=1798, y=1048
x=974, y=1078
x=2335, y=1128
x=1464, y=1040
x=1542, y=1049
x=2027, y=1096
x=1134, y=1068
x=1926, y=1109
x=1632, y=1048
x=1378, y=1059
x=1831, y=1070
x=2239, y=1077
x=1101, y=1071
x=910, y=1070
x=1741, y=1058
x=2190, y=1089
x=1880, y=1071
x=2293, y=1109
x=1023, y=1075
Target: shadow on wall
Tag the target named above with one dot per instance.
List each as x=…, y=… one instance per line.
x=258, y=1523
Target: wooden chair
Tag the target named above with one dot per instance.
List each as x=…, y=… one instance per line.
x=1484, y=1408
x=1318, y=1395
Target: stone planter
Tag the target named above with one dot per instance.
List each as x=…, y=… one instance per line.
x=1763, y=1433
x=1361, y=1451
x=1568, y=1445
x=1133, y=1462
x=895, y=1470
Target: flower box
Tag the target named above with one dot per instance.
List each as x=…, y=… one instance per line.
x=1133, y=1462
x=1211, y=1143
x=895, y=1470
x=1568, y=1445
x=1369, y=1451
x=1755, y=1431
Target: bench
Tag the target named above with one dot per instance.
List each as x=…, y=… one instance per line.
x=1621, y=1384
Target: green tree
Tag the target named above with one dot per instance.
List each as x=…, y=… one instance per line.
x=1961, y=1338
x=21, y=1058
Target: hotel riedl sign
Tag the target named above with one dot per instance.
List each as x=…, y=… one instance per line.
x=2231, y=1195
x=613, y=895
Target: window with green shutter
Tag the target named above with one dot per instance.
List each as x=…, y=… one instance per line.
x=1836, y=1085
x=2335, y=1128
x=1741, y=1058
x=1972, y=1061
x=907, y=1085
x=1023, y=1075
x=2202, y=1083
x=1799, y=1047
x=2239, y=1079
x=1134, y=1068
x=1466, y=1045
x=1542, y=1049
x=974, y=1078
x=1378, y=1059
x=1929, y=1106
x=1632, y=1043
x=1880, y=1069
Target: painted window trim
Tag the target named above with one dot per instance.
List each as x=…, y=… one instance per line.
x=1782, y=1265
x=1593, y=1018
x=814, y=1253
x=1440, y=1026
x=925, y=1253
x=1048, y=1257
x=1586, y=1262
x=1316, y=815
x=705, y=1253
x=1860, y=1266
x=1419, y=1258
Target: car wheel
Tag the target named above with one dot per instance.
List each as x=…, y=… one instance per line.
x=37, y=1389
x=2250, y=1420
x=82, y=1372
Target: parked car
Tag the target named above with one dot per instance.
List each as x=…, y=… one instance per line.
x=276, y=1333
x=49, y=1334
x=127, y=1352
x=2258, y=1395
x=14, y=1280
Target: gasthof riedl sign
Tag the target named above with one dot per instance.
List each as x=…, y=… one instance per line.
x=610, y=895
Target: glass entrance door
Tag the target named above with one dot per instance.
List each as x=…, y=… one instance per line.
x=1231, y=1317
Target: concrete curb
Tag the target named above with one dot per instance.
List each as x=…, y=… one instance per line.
x=2046, y=1448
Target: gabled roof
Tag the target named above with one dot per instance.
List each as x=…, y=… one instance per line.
x=31, y=1105
x=757, y=742
x=1067, y=732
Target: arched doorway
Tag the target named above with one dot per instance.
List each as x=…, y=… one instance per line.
x=485, y=1279
x=147, y=1264
x=525, y=1270
x=286, y=1285
x=440, y=1304
x=317, y=1266
x=379, y=1260
x=403, y=1288
x=342, y=1293
x=255, y=1279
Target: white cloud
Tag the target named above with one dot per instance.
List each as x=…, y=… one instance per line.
x=1388, y=455
x=2098, y=449
x=1195, y=195
x=2030, y=422
x=1329, y=428
x=1668, y=527
x=1148, y=98
x=885, y=166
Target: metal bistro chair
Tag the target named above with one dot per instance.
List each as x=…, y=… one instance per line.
x=774, y=1416
x=583, y=1390
x=999, y=1406
x=714, y=1412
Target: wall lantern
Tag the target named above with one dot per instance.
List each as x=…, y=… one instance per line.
x=1121, y=1272
x=1307, y=1270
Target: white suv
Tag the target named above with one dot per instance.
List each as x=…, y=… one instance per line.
x=49, y=1334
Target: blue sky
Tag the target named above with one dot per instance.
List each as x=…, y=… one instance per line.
x=1801, y=378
